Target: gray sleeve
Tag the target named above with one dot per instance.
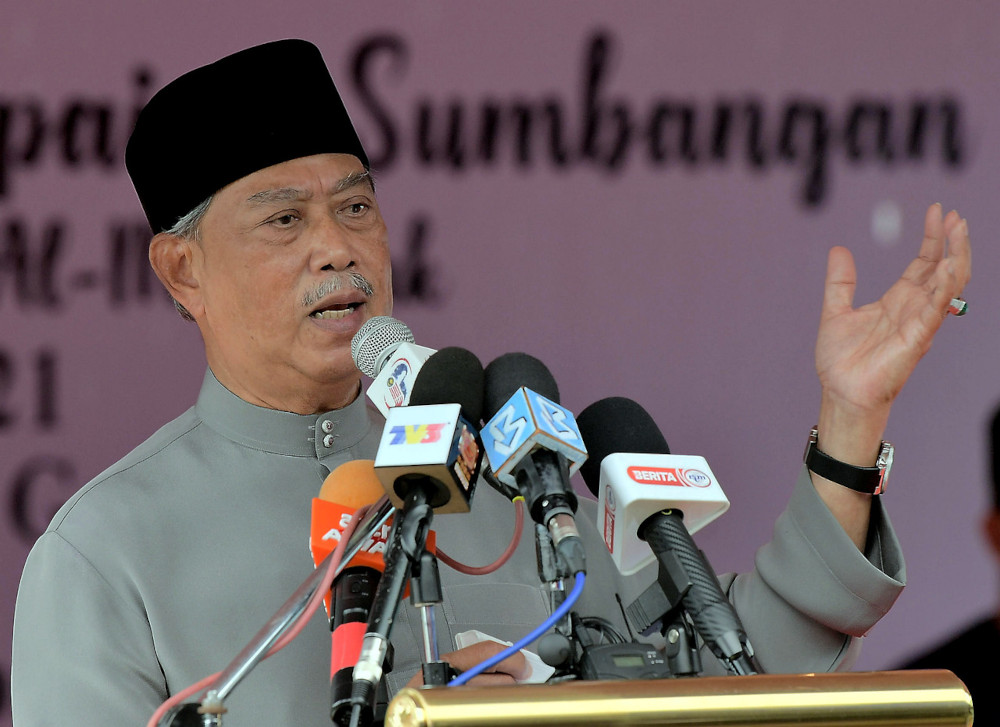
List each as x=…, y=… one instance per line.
x=81, y=653
x=812, y=586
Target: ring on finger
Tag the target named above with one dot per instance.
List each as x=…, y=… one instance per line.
x=958, y=307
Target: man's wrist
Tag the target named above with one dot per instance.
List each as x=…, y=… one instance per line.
x=870, y=480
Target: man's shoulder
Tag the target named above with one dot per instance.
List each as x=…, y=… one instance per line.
x=137, y=467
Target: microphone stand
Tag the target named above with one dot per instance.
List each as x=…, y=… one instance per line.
x=564, y=646
x=550, y=571
x=662, y=603
x=210, y=702
x=425, y=594
x=687, y=592
x=407, y=542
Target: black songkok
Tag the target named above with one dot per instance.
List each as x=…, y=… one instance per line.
x=219, y=123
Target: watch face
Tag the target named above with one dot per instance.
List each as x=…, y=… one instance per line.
x=813, y=438
x=885, y=464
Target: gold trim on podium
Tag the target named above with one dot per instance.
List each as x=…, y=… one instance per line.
x=856, y=699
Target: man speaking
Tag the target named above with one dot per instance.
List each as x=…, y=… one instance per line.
x=268, y=235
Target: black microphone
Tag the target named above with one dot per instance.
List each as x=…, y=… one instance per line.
x=533, y=443
x=451, y=375
x=433, y=443
x=428, y=461
x=627, y=453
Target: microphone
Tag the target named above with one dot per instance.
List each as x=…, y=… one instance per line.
x=534, y=444
x=433, y=443
x=383, y=349
x=634, y=476
x=349, y=604
x=349, y=487
x=427, y=461
x=345, y=490
x=646, y=493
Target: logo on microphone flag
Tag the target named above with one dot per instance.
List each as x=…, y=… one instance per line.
x=396, y=384
x=669, y=476
x=416, y=433
x=431, y=440
x=328, y=522
x=393, y=384
x=529, y=420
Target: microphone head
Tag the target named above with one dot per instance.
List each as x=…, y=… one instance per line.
x=612, y=425
x=352, y=485
x=453, y=375
x=375, y=341
x=349, y=487
x=508, y=373
x=523, y=415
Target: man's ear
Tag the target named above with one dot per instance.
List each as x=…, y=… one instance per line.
x=172, y=258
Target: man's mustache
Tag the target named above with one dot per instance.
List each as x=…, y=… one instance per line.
x=332, y=285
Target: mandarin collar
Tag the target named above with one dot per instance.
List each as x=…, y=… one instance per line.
x=281, y=432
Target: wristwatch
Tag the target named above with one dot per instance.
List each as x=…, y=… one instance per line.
x=870, y=480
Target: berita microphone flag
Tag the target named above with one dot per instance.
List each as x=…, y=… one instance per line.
x=638, y=477
x=635, y=486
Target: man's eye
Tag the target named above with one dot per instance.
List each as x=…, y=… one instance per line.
x=357, y=208
x=284, y=220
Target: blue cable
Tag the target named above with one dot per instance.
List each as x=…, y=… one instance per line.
x=563, y=609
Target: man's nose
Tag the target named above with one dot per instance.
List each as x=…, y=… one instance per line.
x=333, y=248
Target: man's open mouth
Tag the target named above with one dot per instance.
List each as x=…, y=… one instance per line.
x=338, y=310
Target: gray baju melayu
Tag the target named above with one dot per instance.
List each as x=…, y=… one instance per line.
x=162, y=568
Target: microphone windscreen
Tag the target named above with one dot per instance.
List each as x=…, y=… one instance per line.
x=349, y=487
x=453, y=375
x=375, y=341
x=612, y=425
x=352, y=485
x=508, y=373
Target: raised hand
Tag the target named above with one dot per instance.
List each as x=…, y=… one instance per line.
x=865, y=355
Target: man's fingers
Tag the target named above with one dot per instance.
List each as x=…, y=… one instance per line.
x=841, y=281
x=515, y=665
x=492, y=679
x=937, y=229
x=952, y=274
x=932, y=246
x=960, y=252
x=513, y=668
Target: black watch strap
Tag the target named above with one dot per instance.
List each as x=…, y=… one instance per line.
x=870, y=480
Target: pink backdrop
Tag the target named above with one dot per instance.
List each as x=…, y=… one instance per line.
x=684, y=271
